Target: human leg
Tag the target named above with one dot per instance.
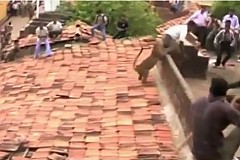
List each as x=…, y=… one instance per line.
x=37, y=48
x=103, y=30
x=219, y=55
x=116, y=36
x=202, y=36
x=120, y=34
x=228, y=50
x=48, y=47
x=96, y=26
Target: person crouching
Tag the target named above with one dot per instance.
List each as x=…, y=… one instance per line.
x=224, y=42
x=42, y=33
x=122, y=27
x=55, y=29
x=13, y=53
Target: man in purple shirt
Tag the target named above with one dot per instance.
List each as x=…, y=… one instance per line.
x=211, y=115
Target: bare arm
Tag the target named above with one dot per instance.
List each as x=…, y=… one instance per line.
x=49, y=24
x=218, y=37
x=234, y=85
x=232, y=115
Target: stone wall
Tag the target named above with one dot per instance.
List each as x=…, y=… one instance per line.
x=178, y=90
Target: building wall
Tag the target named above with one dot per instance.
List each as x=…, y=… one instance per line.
x=51, y=5
x=3, y=9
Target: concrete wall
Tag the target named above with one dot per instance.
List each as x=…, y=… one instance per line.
x=178, y=90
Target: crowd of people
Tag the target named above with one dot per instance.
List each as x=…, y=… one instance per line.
x=15, y=8
x=222, y=35
x=54, y=30
x=22, y=8
x=213, y=113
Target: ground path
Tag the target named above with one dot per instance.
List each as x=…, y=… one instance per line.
x=18, y=23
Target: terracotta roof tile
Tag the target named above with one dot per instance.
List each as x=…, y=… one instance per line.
x=104, y=113
x=92, y=105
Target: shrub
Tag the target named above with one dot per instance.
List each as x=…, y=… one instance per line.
x=142, y=19
x=221, y=8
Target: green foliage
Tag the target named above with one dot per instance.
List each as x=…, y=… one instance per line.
x=221, y=8
x=142, y=19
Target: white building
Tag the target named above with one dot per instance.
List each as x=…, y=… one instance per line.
x=51, y=5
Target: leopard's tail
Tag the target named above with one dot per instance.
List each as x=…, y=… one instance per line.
x=136, y=58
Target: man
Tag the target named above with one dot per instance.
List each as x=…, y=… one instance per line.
x=11, y=56
x=15, y=6
x=122, y=27
x=100, y=23
x=233, y=18
x=176, y=5
x=8, y=32
x=211, y=115
x=175, y=34
x=179, y=32
x=55, y=29
x=42, y=33
x=30, y=9
x=224, y=41
x=214, y=26
x=201, y=19
x=234, y=24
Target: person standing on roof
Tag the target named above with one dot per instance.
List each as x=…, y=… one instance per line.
x=42, y=34
x=100, y=23
x=200, y=17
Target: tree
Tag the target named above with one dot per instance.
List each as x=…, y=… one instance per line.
x=221, y=8
x=142, y=19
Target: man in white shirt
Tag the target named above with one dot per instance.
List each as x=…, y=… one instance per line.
x=224, y=41
x=201, y=19
x=178, y=32
x=42, y=33
x=174, y=35
x=55, y=28
x=233, y=18
x=234, y=24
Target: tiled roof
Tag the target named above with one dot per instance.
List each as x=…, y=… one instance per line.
x=68, y=33
x=92, y=105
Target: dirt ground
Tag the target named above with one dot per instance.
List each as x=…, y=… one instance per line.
x=231, y=74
